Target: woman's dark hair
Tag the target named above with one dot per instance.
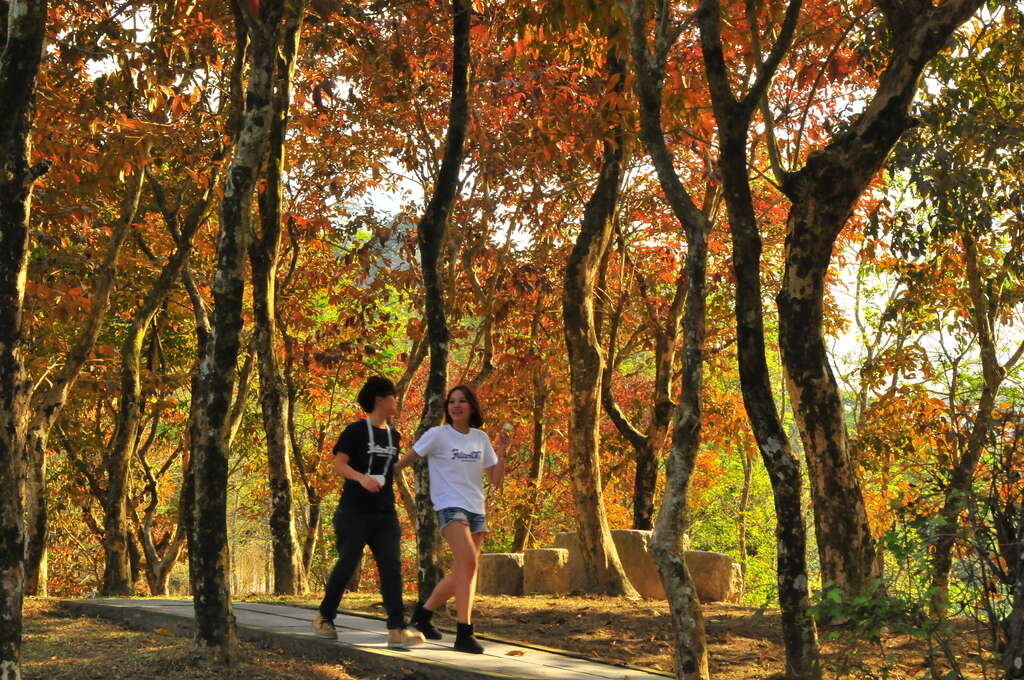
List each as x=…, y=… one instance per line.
x=374, y=387
x=476, y=418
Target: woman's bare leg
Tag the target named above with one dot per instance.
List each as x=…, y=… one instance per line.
x=441, y=593
x=461, y=582
x=446, y=587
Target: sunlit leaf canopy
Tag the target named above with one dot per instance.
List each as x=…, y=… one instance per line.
x=143, y=89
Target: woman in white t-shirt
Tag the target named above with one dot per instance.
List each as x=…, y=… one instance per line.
x=458, y=453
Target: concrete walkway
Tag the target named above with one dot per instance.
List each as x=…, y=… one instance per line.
x=363, y=640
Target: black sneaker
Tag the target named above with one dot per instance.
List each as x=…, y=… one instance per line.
x=421, y=621
x=465, y=642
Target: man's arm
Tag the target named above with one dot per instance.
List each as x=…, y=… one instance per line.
x=342, y=467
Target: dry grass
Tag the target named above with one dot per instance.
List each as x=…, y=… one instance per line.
x=62, y=647
x=744, y=643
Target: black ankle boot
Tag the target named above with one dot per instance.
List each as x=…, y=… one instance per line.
x=464, y=640
x=421, y=621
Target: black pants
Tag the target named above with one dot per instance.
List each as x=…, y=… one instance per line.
x=354, y=531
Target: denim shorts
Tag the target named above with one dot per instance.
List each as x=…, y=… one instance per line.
x=477, y=522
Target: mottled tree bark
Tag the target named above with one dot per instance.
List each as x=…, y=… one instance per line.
x=117, y=577
x=823, y=194
x=666, y=542
x=215, y=631
x=186, y=501
x=734, y=116
x=49, y=402
x=603, y=571
x=432, y=231
x=263, y=255
x=19, y=67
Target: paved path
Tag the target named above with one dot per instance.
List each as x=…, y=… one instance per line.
x=363, y=639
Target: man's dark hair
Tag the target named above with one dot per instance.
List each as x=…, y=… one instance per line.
x=476, y=418
x=374, y=387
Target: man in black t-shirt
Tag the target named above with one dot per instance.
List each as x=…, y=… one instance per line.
x=365, y=457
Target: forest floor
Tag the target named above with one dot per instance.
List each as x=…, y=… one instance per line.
x=58, y=646
x=744, y=643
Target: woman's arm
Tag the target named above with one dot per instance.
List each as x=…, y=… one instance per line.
x=342, y=467
x=406, y=460
x=496, y=473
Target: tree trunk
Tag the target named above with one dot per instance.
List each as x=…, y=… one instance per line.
x=432, y=230
x=846, y=548
x=160, y=559
x=743, y=510
x=667, y=541
x=823, y=194
x=215, y=630
x=313, y=498
x=117, y=578
x=263, y=254
x=647, y=444
x=603, y=571
x=733, y=117
x=49, y=406
x=19, y=66
x=160, y=556
x=1013, y=653
x=187, y=498
x=134, y=560
x=420, y=348
x=538, y=452
x=958, y=490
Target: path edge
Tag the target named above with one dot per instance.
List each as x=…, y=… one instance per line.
x=491, y=637
x=376, y=660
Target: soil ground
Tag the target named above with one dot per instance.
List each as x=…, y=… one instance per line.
x=744, y=643
x=61, y=647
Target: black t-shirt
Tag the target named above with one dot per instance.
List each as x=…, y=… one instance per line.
x=378, y=459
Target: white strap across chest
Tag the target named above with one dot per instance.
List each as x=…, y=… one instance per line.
x=369, y=430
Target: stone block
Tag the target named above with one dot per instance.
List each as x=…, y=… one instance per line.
x=500, y=574
x=636, y=558
x=567, y=541
x=546, y=571
x=712, y=574
x=735, y=584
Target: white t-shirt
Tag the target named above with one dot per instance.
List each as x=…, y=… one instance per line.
x=456, y=462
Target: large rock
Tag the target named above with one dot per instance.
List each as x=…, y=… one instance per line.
x=546, y=571
x=712, y=574
x=567, y=541
x=635, y=555
x=500, y=574
x=735, y=593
